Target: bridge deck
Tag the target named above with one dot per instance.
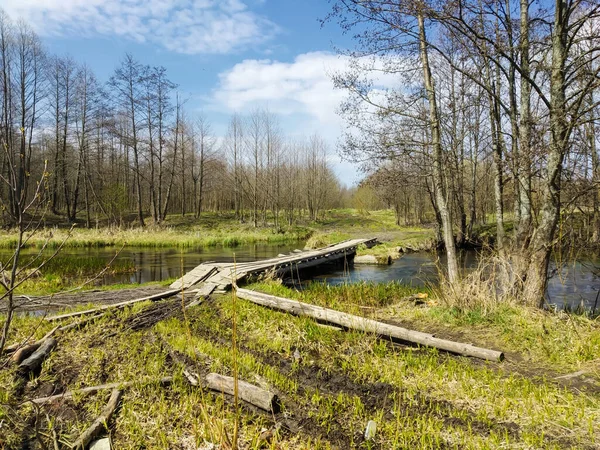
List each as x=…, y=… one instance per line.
x=222, y=275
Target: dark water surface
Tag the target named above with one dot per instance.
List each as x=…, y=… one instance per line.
x=574, y=284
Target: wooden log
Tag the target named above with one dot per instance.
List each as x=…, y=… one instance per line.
x=248, y=392
x=154, y=297
x=98, y=425
x=24, y=351
x=102, y=387
x=371, y=326
x=36, y=359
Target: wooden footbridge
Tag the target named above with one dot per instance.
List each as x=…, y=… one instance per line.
x=207, y=278
x=221, y=276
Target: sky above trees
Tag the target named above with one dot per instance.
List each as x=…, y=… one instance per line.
x=225, y=55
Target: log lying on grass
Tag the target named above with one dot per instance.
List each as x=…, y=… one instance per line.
x=24, y=350
x=98, y=425
x=158, y=296
x=248, y=392
x=101, y=387
x=36, y=359
x=372, y=326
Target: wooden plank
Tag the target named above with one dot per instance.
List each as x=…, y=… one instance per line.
x=371, y=326
x=196, y=275
x=158, y=296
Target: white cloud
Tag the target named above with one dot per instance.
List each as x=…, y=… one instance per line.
x=301, y=92
x=302, y=87
x=184, y=26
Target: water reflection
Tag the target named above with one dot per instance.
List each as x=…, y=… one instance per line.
x=569, y=285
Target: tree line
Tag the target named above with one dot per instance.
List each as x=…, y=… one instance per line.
x=493, y=109
x=105, y=149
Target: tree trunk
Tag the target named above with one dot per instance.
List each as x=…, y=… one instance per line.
x=438, y=158
x=543, y=237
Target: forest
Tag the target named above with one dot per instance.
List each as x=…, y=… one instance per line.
x=165, y=284
x=127, y=144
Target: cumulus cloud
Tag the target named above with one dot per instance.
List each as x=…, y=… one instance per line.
x=301, y=92
x=184, y=26
x=303, y=86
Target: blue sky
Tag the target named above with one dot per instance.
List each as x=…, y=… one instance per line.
x=225, y=55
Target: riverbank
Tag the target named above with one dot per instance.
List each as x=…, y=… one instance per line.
x=213, y=229
x=209, y=231
x=88, y=252
x=330, y=382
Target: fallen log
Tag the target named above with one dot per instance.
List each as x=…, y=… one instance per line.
x=98, y=425
x=101, y=387
x=248, y=392
x=36, y=359
x=158, y=296
x=23, y=351
x=371, y=326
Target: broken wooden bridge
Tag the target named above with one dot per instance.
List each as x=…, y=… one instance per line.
x=221, y=276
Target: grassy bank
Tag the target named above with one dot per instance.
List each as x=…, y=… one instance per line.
x=345, y=224
x=224, y=230
x=330, y=382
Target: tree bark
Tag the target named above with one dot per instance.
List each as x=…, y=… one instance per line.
x=438, y=157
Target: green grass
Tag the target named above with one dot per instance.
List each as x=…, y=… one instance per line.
x=420, y=398
x=554, y=340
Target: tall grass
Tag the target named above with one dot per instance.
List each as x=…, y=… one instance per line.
x=155, y=238
x=485, y=287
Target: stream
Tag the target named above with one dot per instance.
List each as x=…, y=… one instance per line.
x=573, y=285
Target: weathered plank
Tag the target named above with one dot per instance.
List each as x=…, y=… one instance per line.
x=196, y=275
x=158, y=296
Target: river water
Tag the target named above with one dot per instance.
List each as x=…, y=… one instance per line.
x=574, y=284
